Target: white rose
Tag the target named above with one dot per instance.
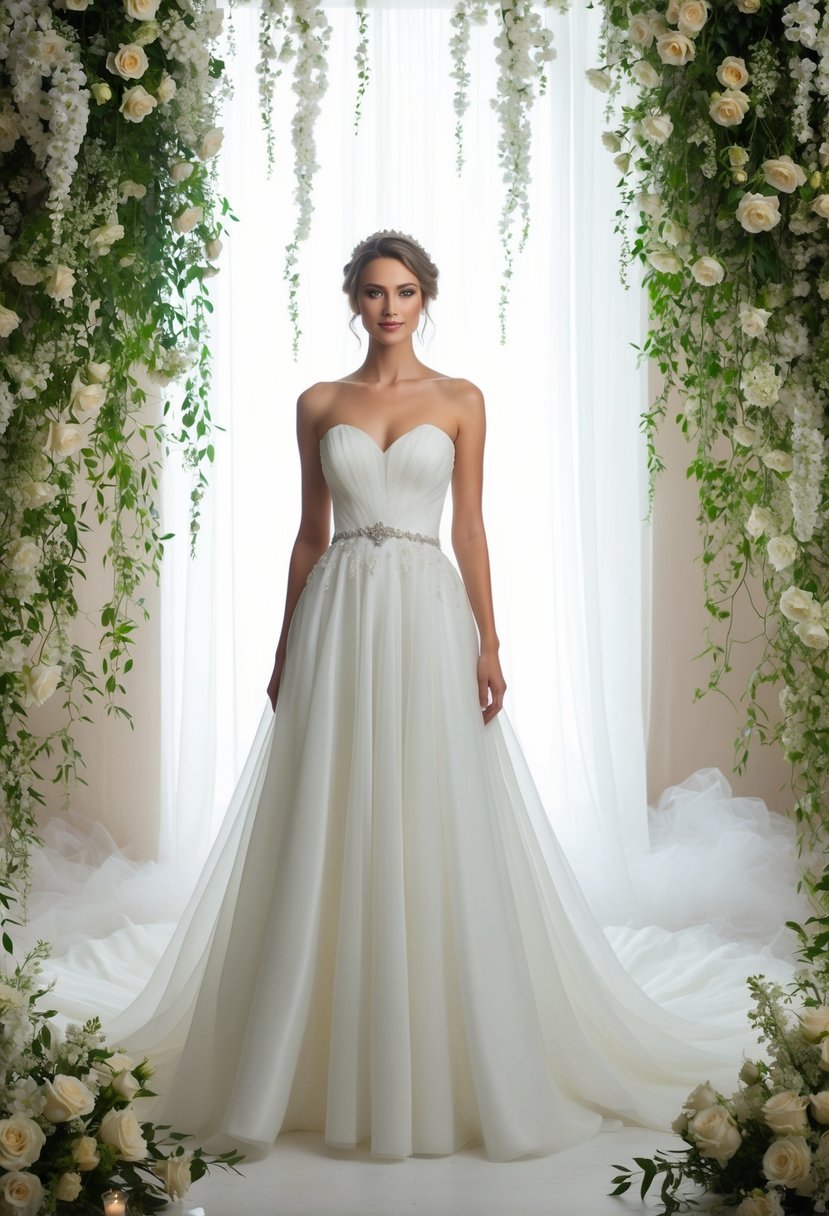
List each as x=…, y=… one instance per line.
x=664, y=261
x=137, y=103
x=680, y=1125
x=59, y=283
x=758, y=212
x=729, y=108
x=651, y=204
x=9, y=130
x=180, y=170
x=639, y=31
x=757, y=1203
x=141, y=10
x=101, y=240
x=64, y=439
x=732, y=73
x=814, y=1022
x=798, y=605
x=753, y=320
x=692, y=16
x=214, y=248
x=715, y=1134
x=25, y=273
x=782, y=173
x=117, y=1072
x=820, y=206
x=67, y=1098
x=787, y=1161
x=759, y=521
x=130, y=61
x=657, y=127
x=9, y=320
x=700, y=1098
x=813, y=635
x=782, y=551
x=97, y=372
x=786, y=1112
x=820, y=1106
x=622, y=162
x=120, y=1129
x=21, y=1190
x=737, y=156
x=69, y=1187
x=187, y=219
x=600, y=80
x=672, y=12
x=131, y=189
x=645, y=73
x=749, y=1073
x=174, y=1173
x=36, y=493
x=748, y=6
x=611, y=141
x=86, y=398
x=777, y=460
x=658, y=23
x=708, y=271
x=675, y=49
x=744, y=435
x=211, y=142
x=20, y=1142
x=85, y=1153
x=166, y=90
x=674, y=233
x=24, y=557
x=41, y=681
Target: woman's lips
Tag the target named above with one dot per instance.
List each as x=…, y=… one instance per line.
x=390, y=324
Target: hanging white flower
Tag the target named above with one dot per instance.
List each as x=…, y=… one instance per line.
x=782, y=551
x=708, y=271
x=777, y=460
x=186, y=220
x=40, y=682
x=211, y=142
x=645, y=73
x=59, y=283
x=753, y=320
x=656, y=127
x=664, y=260
x=599, y=79
x=746, y=436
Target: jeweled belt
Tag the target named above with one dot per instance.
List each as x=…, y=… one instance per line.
x=380, y=532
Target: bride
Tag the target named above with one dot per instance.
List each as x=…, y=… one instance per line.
x=386, y=943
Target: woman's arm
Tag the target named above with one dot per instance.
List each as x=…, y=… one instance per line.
x=470, y=545
x=313, y=534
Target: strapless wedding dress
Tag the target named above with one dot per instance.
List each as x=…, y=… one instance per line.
x=387, y=943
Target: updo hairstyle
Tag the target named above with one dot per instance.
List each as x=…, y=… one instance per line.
x=390, y=244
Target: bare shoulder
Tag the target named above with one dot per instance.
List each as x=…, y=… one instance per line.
x=468, y=407
x=313, y=402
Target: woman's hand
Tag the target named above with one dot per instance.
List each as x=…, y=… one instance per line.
x=490, y=677
x=276, y=678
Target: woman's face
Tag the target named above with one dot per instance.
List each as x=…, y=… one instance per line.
x=389, y=299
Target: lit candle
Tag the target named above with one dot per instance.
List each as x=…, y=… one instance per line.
x=115, y=1202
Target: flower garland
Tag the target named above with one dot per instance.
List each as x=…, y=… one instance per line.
x=724, y=156
x=109, y=228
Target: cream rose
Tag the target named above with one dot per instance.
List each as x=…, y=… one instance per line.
x=798, y=605
x=69, y=1187
x=744, y=435
x=24, y=557
x=749, y=1073
x=708, y=271
x=758, y=212
x=645, y=73
x=20, y=1142
x=680, y=1125
x=37, y=493
x=729, y=108
x=97, y=372
x=59, y=283
x=25, y=273
x=675, y=234
x=786, y=1112
x=137, y=103
x=757, y=1203
x=814, y=1022
x=186, y=220
x=211, y=142
x=21, y=1189
x=732, y=73
x=651, y=204
x=777, y=460
x=85, y=1153
x=141, y=10
x=693, y=15
x=715, y=1134
x=639, y=31
x=611, y=141
x=820, y=1106
x=180, y=170
x=664, y=261
x=753, y=320
x=622, y=163
x=67, y=1098
x=174, y=1173
x=760, y=521
x=41, y=681
x=782, y=551
x=820, y=206
x=700, y=1098
x=788, y=1161
x=166, y=90
x=101, y=240
x=64, y=439
x=120, y=1129
x=657, y=127
x=600, y=80
x=86, y=398
x=737, y=156
x=782, y=173
x=130, y=61
x=9, y=320
x=813, y=635
x=675, y=49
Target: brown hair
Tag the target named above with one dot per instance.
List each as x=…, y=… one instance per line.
x=390, y=244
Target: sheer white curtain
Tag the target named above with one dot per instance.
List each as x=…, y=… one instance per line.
x=563, y=494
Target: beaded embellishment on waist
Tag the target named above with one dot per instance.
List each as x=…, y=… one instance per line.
x=380, y=532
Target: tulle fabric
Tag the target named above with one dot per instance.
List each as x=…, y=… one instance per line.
x=386, y=943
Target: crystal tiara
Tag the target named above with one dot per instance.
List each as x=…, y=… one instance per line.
x=388, y=232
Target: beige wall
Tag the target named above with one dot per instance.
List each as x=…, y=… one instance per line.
x=685, y=735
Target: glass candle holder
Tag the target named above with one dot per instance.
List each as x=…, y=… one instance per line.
x=115, y=1201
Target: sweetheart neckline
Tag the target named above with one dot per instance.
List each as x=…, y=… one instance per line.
x=384, y=451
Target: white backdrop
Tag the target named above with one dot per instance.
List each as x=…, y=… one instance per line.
x=564, y=493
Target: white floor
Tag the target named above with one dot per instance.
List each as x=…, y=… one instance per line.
x=304, y=1177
